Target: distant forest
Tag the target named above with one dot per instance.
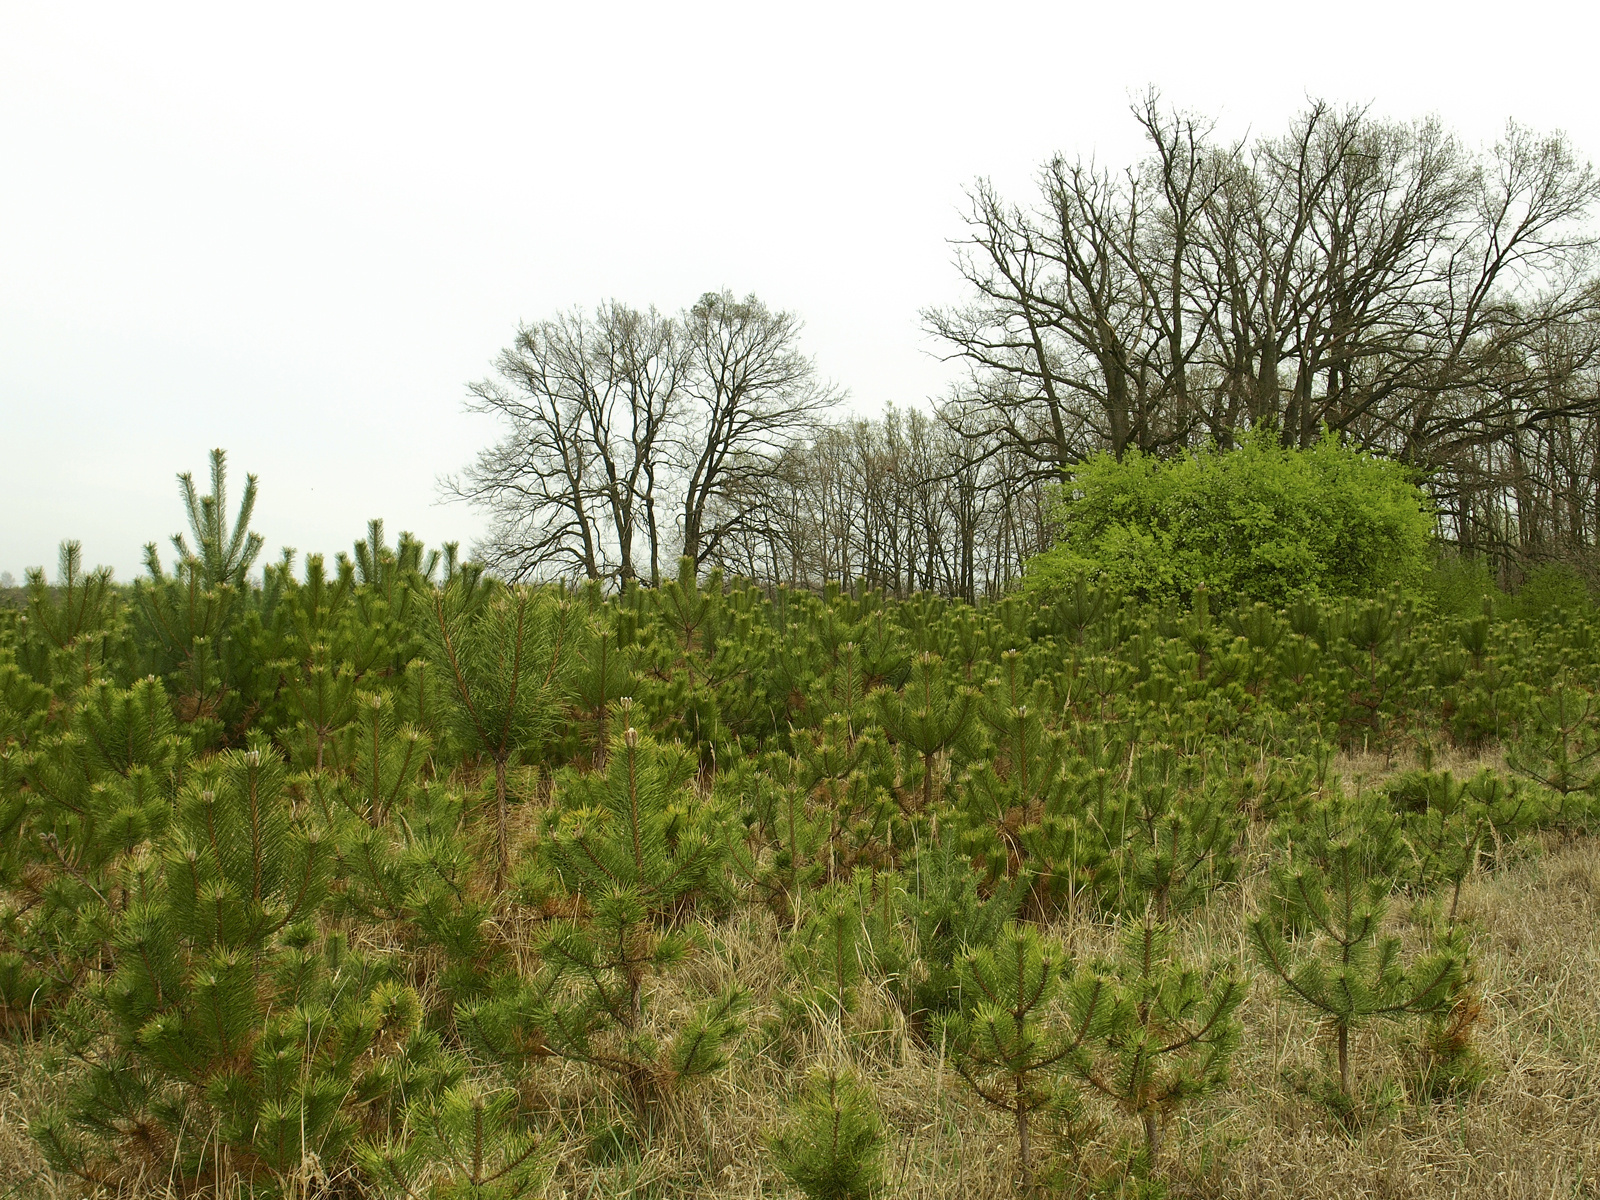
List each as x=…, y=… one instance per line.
x=1423, y=300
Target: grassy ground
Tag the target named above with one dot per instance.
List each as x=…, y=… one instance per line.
x=1530, y=1130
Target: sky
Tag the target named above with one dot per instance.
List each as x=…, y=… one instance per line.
x=297, y=231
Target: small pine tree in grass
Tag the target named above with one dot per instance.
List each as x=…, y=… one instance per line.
x=386, y=763
x=321, y=693
x=225, y=1008
x=831, y=1148
x=1181, y=837
x=1343, y=969
x=1558, y=747
x=635, y=851
x=799, y=840
x=925, y=719
x=1003, y=802
x=95, y=791
x=415, y=873
x=191, y=620
x=602, y=675
x=1172, y=1032
x=1024, y=1027
x=826, y=956
x=946, y=915
x=507, y=657
x=469, y=1143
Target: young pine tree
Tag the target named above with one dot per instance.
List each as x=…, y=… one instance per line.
x=507, y=656
x=74, y=629
x=925, y=719
x=1023, y=1029
x=1558, y=747
x=1171, y=1035
x=831, y=1148
x=1342, y=968
x=1004, y=801
x=191, y=621
x=635, y=848
x=946, y=916
x=468, y=1143
x=224, y=1007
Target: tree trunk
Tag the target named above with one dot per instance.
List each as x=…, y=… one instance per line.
x=1024, y=1147
x=502, y=868
x=1344, y=1058
x=1152, y=1137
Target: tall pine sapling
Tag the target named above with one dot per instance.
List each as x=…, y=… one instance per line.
x=1342, y=967
x=1172, y=1032
x=1023, y=1029
x=635, y=850
x=507, y=657
x=1558, y=747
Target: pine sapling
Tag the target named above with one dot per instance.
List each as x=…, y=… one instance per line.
x=470, y=1143
x=1023, y=1030
x=635, y=855
x=1343, y=969
x=926, y=718
x=1172, y=1032
x=1558, y=747
x=832, y=1145
x=507, y=656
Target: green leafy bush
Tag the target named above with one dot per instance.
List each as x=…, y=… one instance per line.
x=1259, y=522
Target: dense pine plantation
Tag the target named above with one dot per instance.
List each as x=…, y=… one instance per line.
x=378, y=877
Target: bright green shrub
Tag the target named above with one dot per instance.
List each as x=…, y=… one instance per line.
x=1260, y=521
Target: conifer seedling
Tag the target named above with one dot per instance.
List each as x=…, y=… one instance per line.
x=470, y=1143
x=831, y=1148
x=1343, y=968
x=1023, y=1029
x=928, y=716
x=635, y=851
x=507, y=658
x=1171, y=1035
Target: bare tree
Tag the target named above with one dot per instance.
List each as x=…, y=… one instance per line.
x=752, y=396
x=573, y=486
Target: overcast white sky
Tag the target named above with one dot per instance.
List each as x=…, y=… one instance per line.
x=297, y=230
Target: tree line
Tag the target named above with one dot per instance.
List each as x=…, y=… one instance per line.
x=1422, y=299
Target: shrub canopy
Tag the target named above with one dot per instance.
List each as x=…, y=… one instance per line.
x=1261, y=522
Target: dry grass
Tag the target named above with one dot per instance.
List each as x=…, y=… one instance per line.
x=1530, y=1131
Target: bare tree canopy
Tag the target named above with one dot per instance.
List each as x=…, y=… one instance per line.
x=1423, y=300
x=631, y=436
x=1375, y=278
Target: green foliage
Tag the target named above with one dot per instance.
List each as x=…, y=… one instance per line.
x=1342, y=967
x=634, y=851
x=506, y=654
x=1260, y=521
x=219, y=795
x=925, y=718
x=1558, y=747
x=945, y=915
x=225, y=556
x=1023, y=1027
x=1552, y=588
x=832, y=1146
x=227, y=1009
x=1457, y=586
x=469, y=1143
x=1171, y=1034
